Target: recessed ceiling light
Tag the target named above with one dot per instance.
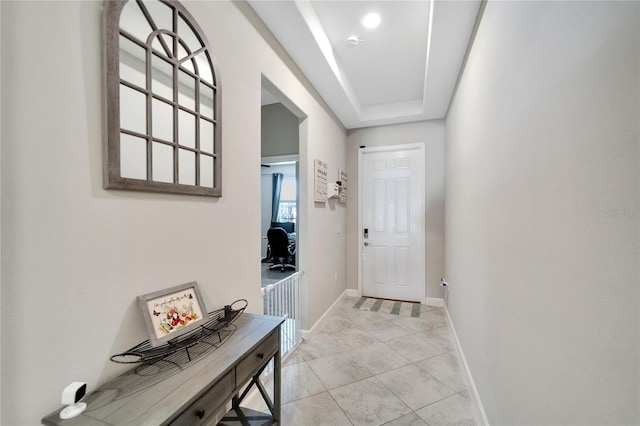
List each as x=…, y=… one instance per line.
x=371, y=20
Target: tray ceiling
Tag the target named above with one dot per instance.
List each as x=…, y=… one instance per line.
x=403, y=70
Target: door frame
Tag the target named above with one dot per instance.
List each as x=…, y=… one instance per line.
x=303, y=171
x=422, y=187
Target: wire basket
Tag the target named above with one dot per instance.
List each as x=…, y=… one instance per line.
x=218, y=321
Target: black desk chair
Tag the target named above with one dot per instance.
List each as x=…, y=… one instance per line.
x=279, y=244
x=287, y=226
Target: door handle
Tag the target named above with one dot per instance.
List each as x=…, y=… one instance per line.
x=366, y=244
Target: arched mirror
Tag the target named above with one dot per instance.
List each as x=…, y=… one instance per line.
x=163, y=101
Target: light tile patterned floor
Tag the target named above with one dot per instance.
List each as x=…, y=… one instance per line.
x=371, y=368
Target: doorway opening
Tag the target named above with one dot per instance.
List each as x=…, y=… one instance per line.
x=279, y=182
x=279, y=217
x=283, y=133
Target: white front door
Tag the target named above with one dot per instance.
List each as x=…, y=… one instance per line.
x=392, y=222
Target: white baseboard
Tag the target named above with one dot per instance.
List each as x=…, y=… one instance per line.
x=353, y=292
x=434, y=301
x=306, y=334
x=466, y=368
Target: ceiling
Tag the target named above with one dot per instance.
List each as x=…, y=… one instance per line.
x=404, y=70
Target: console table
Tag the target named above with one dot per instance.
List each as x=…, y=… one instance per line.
x=179, y=391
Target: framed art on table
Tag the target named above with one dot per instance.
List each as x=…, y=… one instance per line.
x=172, y=312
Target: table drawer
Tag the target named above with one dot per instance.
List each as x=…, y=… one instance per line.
x=256, y=359
x=200, y=411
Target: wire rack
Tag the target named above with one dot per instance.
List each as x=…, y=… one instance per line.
x=218, y=321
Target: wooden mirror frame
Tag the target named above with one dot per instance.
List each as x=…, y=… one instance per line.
x=113, y=178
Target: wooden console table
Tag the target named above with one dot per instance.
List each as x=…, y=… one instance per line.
x=179, y=391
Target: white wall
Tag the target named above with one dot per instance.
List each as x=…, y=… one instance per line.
x=279, y=133
x=0, y=204
x=431, y=134
x=74, y=255
x=542, y=212
x=322, y=263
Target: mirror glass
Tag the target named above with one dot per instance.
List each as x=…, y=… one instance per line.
x=206, y=101
x=205, y=72
x=163, y=100
x=163, y=45
x=186, y=129
x=206, y=136
x=187, y=34
x=187, y=167
x=206, y=171
x=161, y=14
x=188, y=65
x=133, y=157
x=132, y=67
x=162, y=74
x=134, y=22
x=181, y=53
x=186, y=90
x=133, y=111
x=162, y=163
x=162, y=119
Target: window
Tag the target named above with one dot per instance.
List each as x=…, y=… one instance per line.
x=163, y=101
x=287, y=211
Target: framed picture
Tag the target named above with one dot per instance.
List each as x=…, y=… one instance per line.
x=320, y=181
x=172, y=312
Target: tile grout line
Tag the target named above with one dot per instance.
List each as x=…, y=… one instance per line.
x=361, y=328
x=416, y=308
x=328, y=391
x=340, y=408
x=454, y=392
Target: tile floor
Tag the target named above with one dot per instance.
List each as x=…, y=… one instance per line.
x=370, y=368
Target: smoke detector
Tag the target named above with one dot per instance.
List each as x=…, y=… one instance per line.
x=353, y=41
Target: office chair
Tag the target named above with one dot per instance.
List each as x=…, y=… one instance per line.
x=287, y=226
x=279, y=244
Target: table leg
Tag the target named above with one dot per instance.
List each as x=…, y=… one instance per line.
x=276, y=384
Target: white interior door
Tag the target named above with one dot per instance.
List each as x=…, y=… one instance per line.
x=392, y=222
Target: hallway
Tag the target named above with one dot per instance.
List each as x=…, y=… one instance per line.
x=371, y=368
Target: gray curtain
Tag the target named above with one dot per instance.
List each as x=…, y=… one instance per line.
x=275, y=195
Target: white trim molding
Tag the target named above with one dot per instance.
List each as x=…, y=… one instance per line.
x=434, y=301
x=306, y=334
x=353, y=292
x=467, y=370
x=276, y=159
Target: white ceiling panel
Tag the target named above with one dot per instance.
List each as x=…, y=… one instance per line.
x=403, y=70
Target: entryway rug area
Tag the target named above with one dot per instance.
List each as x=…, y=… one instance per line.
x=403, y=309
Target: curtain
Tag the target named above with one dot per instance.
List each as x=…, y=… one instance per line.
x=276, y=188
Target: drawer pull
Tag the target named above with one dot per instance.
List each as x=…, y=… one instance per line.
x=200, y=414
x=260, y=355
